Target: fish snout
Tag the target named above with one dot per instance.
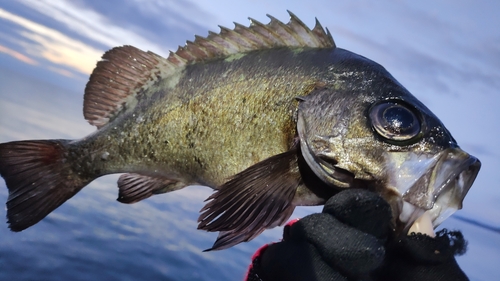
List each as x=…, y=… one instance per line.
x=432, y=187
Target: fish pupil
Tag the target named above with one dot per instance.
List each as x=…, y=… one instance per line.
x=399, y=119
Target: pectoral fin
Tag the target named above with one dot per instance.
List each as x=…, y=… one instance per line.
x=136, y=187
x=227, y=239
x=257, y=198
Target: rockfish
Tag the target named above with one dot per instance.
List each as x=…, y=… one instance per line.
x=271, y=116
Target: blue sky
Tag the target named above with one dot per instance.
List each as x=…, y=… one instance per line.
x=447, y=53
x=440, y=40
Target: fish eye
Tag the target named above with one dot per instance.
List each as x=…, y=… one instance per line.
x=395, y=121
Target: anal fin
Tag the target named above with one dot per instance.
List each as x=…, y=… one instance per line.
x=136, y=187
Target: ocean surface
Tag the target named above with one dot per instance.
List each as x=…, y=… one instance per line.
x=94, y=237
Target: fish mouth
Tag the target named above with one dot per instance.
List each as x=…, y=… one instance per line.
x=336, y=175
x=431, y=187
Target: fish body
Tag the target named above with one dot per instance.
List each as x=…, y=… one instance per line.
x=230, y=105
x=271, y=116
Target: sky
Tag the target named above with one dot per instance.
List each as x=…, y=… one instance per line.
x=447, y=53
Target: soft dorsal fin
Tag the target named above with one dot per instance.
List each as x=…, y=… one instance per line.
x=121, y=74
x=124, y=72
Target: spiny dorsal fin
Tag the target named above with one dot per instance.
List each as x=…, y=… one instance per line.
x=124, y=72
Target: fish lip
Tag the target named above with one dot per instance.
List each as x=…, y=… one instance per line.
x=456, y=186
x=441, y=189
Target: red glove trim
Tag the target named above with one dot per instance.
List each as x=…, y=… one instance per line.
x=291, y=222
x=262, y=249
x=255, y=255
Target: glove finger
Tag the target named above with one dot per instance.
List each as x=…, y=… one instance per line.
x=420, y=257
x=294, y=261
x=361, y=209
x=350, y=251
x=424, y=249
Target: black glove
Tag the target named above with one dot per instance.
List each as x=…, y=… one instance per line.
x=420, y=257
x=348, y=241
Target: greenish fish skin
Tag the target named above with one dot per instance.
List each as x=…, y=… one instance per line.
x=269, y=122
x=205, y=129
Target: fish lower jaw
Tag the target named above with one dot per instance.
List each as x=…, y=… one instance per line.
x=417, y=220
x=423, y=225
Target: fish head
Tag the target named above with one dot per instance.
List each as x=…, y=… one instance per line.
x=368, y=131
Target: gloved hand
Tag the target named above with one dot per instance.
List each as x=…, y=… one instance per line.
x=349, y=241
x=420, y=257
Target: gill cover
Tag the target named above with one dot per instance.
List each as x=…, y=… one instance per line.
x=315, y=147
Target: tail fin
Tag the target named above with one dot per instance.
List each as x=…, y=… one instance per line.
x=39, y=179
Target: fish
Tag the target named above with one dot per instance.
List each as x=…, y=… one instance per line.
x=271, y=116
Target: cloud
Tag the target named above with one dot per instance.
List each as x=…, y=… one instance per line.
x=53, y=45
x=91, y=24
x=17, y=55
x=85, y=35
x=61, y=71
x=184, y=15
x=429, y=54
